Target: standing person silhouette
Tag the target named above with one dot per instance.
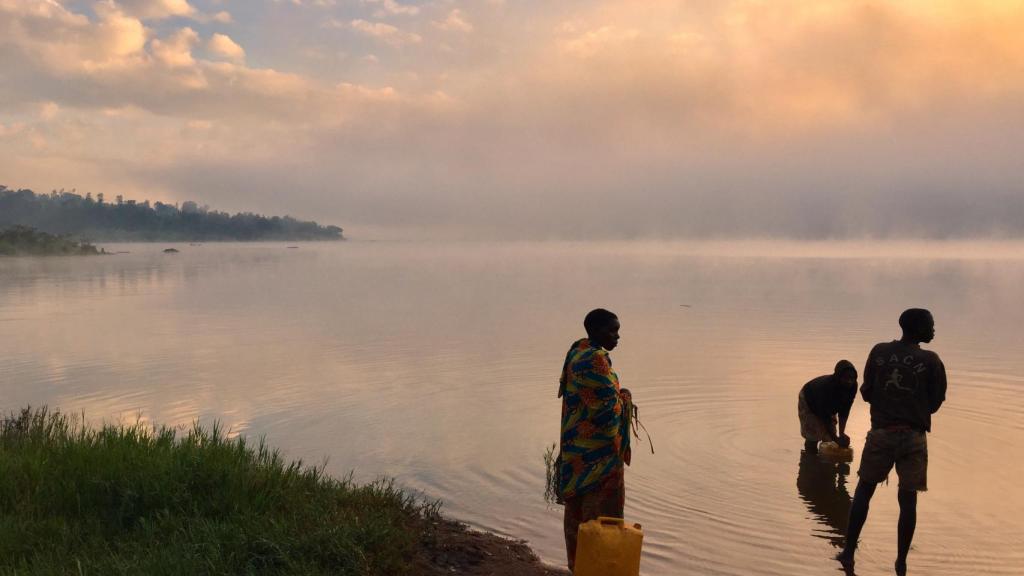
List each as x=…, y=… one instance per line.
x=594, y=439
x=905, y=385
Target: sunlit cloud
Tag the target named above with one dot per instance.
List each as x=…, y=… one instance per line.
x=223, y=17
x=385, y=32
x=154, y=9
x=222, y=45
x=455, y=22
x=175, y=51
x=393, y=7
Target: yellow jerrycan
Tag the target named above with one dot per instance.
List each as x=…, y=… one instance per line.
x=607, y=547
x=834, y=451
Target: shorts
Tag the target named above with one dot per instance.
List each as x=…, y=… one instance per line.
x=906, y=449
x=811, y=427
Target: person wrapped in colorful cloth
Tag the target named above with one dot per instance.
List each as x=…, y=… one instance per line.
x=594, y=444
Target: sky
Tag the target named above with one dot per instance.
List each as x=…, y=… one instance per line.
x=539, y=119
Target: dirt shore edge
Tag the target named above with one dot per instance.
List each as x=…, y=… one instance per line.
x=451, y=547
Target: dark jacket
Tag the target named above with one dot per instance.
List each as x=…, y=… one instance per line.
x=827, y=396
x=904, y=384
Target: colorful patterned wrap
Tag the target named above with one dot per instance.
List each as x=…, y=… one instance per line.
x=595, y=433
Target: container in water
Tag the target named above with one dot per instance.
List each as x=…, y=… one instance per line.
x=834, y=451
x=608, y=547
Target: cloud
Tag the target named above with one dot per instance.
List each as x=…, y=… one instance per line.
x=68, y=42
x=224, y=46
x=222, y=17
x=793, y=65
x=590, y=42
x=455, y=22
x=11, y=130
x=114, y=62
x=316, y=3
x=176, y=50
x=393, y=7
x=385, y=32
x=48, y=110
x=156, y=9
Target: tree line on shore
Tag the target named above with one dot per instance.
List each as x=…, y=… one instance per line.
x=69, y=213
x=25, y=241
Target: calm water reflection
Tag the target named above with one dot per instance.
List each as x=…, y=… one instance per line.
x=822, y=486
x=437, y=364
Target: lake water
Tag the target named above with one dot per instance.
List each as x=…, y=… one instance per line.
x=437, y=364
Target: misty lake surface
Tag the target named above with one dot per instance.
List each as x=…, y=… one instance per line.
x=437, y=364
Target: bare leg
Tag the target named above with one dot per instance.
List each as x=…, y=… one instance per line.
x=858, y=515
x=907, y=524
x=571, y=523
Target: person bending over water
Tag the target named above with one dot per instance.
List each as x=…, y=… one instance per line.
x=594, y=438
x=905, y=385
x=825, y=402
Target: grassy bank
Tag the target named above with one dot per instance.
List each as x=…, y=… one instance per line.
x=138, y=500
x=25, y=241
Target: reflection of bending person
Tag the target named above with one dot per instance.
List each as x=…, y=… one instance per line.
x=822, y=486
x=905, y=385
x=825, y=403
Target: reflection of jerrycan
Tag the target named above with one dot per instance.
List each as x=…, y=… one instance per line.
x=607, y=547
x=833, y=451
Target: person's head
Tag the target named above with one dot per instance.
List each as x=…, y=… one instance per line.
x=602, y=328
x=846, y=372
x=918, y=325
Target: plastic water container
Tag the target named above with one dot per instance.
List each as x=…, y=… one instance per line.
x=834, y=451
x=607, y=547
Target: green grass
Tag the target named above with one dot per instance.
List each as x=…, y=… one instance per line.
x=131, y=499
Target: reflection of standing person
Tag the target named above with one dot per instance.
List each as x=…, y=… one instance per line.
x=825, y=403
x=905, y=385
x=594, y=442
x=822, y=486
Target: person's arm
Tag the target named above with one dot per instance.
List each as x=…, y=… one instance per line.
x=867, y=388
x=844, y=413
x=831, y=429
x=937, y=387
x=625, y=418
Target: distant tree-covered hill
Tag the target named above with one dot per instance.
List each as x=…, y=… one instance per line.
x=68, y=213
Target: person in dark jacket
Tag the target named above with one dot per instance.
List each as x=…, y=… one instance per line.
x=824, y=404
x=905, y=385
